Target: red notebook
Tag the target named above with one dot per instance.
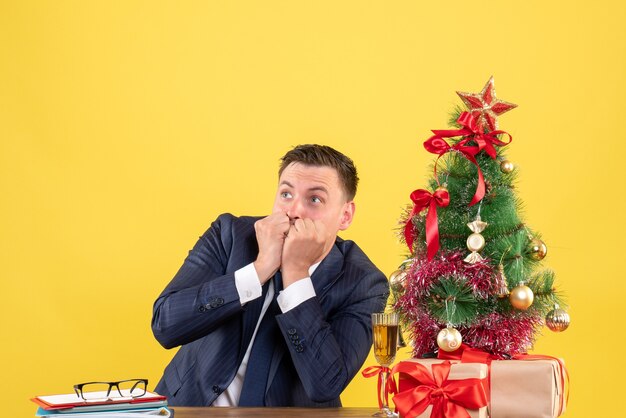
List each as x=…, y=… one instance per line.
x=71, y=400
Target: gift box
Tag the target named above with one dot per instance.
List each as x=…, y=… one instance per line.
x=530, y=388
x=427, y=384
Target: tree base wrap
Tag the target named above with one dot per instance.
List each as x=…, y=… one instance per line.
x=532, y=388
x=458, y=372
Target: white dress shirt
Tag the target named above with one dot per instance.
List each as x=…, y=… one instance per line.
x=249, y=288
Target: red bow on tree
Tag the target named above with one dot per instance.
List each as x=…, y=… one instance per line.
x=437, y=145
x=475, y=131
x=423, y=199
x=471, y=131
x=449, y=398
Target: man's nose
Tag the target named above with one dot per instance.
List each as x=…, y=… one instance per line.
x=295, y=210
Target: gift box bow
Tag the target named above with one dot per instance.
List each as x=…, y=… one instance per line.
x=449, y=398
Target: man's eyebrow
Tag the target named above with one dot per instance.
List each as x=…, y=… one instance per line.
x=318, y=188
x=312, y=189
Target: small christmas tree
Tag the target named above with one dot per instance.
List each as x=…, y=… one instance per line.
x=472, y=274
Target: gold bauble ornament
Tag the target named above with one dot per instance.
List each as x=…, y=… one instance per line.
x=521, y=297
x=441, y=189
x=449, y=339
x=537, y=249
x=506, y=166
x=396, y=281
x=557, y=319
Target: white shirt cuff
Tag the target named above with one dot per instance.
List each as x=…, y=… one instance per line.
x=247, y=284
x=295, y=294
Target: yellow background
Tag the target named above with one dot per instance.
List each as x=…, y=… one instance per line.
x=126, y=127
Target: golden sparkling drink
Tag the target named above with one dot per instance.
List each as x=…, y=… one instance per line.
x=385, y=343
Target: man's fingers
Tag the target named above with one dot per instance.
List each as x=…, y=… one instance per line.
x=296, y=225
x=310, y=225
x=306, y=228
x=274, y=222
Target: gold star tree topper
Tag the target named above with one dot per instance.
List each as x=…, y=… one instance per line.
x=485, y=106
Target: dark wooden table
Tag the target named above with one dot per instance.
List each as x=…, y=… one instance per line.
x=199, y=412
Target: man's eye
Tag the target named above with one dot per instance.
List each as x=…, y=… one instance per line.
x=316, y=199
x=285, y=195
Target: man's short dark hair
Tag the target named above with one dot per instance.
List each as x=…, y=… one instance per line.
x=324, y=156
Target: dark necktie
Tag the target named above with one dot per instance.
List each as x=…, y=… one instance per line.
x=255, y=380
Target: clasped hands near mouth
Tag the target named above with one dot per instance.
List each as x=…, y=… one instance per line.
x=291, y=245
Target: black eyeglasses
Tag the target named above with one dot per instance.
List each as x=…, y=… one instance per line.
x=102, y=391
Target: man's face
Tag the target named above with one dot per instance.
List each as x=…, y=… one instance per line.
x=314, y=192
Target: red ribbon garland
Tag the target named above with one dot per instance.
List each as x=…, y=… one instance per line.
x=423, y=199
x=390, y=386
x=449, y=398
x=471, y=131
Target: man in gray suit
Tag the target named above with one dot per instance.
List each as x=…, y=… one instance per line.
x=276, y=310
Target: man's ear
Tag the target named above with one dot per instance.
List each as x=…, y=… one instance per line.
x=347, y=215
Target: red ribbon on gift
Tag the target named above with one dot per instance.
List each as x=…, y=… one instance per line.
x=390, y=386
x=471, y=131
x=449, y=398
x=423, y=199
x=467, y=354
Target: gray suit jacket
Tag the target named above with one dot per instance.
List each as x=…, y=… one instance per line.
x=325, y=341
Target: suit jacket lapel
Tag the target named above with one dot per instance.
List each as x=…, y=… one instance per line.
x=328, y=272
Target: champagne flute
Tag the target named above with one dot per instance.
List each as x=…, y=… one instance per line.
x=385, y=328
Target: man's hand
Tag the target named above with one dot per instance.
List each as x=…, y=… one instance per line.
x=306, y=243
x=270, y=234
